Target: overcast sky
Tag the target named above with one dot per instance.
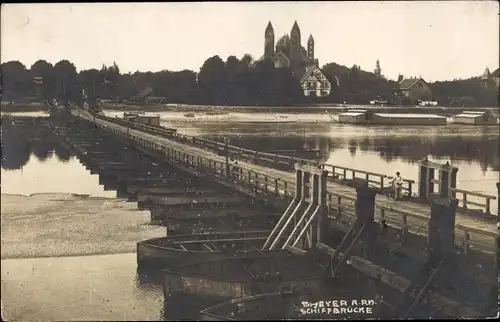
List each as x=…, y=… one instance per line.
x=437, y=40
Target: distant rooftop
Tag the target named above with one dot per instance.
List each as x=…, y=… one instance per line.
x=408, y=82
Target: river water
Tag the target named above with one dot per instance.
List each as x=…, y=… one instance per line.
x=378, y=149
x=96, y=277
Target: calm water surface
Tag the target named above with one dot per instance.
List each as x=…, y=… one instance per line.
x=99, y=288
x=379, y=149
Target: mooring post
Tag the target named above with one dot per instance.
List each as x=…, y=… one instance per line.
x=447, y=180
x=365, y=202
x=426, y=176
x=321, y=221
x=498, y=203
x=312, y=231
x=305, y=191
x=226, y=151
x=441, y=228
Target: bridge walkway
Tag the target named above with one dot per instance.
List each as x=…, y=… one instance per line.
x=414, y=221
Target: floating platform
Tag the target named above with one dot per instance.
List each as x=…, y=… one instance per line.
x=366, y=117
x=476, y=118
x=200, y=222
x=220, y=280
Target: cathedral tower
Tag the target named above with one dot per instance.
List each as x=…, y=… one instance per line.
x=378, y=70
x=269, y=41
x=295, y=43
x=310, y=47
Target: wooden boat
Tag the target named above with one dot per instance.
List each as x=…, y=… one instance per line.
x=167, y=251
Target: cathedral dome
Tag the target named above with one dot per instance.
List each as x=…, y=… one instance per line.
x=283, y=42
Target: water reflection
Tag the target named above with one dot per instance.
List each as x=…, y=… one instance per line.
x=22, y=137
x=34, y=161
x=377, y=149
x=481, y=150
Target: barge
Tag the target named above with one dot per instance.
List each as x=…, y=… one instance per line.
x=211, y=282
x=366, y=117
x=476, y=118
x=142, y=118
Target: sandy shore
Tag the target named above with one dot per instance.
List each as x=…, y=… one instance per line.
x=45, y=225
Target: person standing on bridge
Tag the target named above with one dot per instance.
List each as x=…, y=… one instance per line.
x=397, y=185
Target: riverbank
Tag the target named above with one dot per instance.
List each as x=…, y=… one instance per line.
x=313, y=109
x=50, y=225
x=22, y=107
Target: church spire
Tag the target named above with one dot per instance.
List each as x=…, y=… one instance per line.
x=269, y=27
x=269, y=41
x=378, y=70
x=310, y=47
x=295, y=44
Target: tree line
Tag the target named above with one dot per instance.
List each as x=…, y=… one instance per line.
x=236, y=81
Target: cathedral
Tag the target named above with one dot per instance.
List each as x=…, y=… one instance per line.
x=288, y=52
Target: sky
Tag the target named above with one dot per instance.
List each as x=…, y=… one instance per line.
x=437, y=40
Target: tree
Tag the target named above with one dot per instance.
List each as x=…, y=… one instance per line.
x=66, y=81
x=212, y=80
x=45, y=70
x=16, y=81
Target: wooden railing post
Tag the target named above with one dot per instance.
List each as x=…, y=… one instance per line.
x=276, y=190
x=466, y=243
x=405, y=227
x=488, y=206
x=382, y=218
x=464, y=200
x=286, y=190
x=329, y=211
x=265, y=182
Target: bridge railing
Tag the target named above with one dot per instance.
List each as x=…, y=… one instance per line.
x=337, y=173
x=381, y=181
x=263, y=158
x=339, y=205
x=481, y=199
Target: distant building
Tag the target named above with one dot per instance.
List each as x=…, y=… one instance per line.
x=289, y=52
x=490, y=79
x=496, y=77
x=415, y=89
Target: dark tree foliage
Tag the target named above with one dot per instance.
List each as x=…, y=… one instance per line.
x=231, y=82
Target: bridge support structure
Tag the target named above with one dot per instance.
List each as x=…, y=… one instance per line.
x=305, y=218
x=441, y=255
x=427, y=176
x=363, y=230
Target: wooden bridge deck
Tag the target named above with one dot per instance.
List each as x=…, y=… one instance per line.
x=483, y=229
